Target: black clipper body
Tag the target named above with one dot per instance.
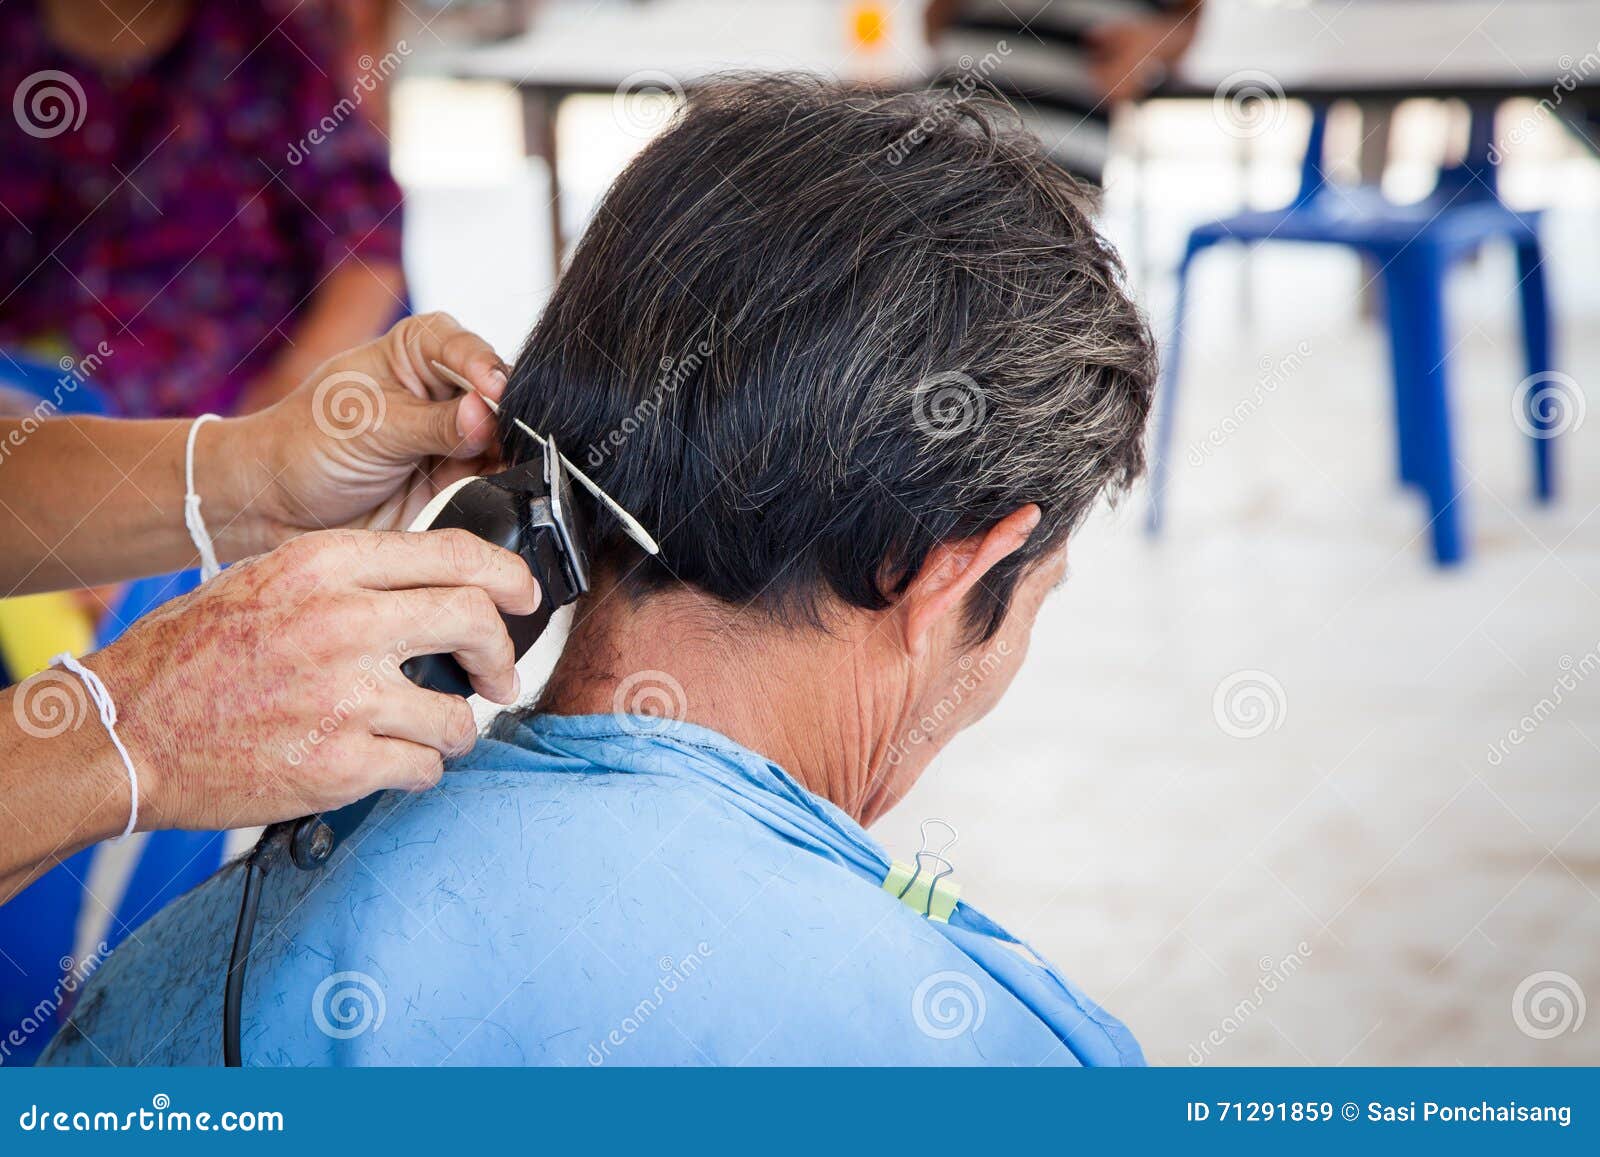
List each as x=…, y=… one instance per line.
x=529, y=510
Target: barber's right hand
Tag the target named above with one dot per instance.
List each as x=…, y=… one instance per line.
x=275, y=690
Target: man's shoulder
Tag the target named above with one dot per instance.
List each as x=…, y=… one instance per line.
x=533, y=913
x=629, y=918
x=154, y=1001
x=510, y=837
x=532, y=816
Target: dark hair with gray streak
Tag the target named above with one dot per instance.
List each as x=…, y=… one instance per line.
x=804, y=353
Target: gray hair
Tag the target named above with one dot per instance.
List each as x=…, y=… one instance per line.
x=804, y=352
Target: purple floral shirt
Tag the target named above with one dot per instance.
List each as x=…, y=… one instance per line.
x=183, y=213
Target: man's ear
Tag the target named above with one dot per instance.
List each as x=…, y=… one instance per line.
x=952, y=569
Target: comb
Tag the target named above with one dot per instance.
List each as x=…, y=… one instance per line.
x=629, y=523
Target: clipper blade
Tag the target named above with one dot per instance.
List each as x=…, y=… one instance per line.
x=629, y=523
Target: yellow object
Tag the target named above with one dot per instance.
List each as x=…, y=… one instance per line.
x=34, y=628
x=911, y=887
x=869, y=24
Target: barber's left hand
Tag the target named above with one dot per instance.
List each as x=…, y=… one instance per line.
x=373, y=434
x=1128, y=57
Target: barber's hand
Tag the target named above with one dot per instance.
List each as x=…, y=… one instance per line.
x=275, y=690
x=369, y=438
x=937, y=16
x=1130, y=57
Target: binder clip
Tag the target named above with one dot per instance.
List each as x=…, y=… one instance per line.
x=927, y=887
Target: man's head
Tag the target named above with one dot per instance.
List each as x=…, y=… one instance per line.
x=846, y=354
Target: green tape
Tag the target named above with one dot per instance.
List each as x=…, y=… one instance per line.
x=912, y=891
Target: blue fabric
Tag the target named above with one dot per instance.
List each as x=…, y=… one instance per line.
x=50, y=382
x=600, y=890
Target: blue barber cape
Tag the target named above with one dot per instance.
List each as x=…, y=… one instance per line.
x=598, y=890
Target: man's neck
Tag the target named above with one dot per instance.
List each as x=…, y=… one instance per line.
x=799, y=697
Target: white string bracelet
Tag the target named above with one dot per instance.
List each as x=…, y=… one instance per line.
x=108, y=716
x=191, y=506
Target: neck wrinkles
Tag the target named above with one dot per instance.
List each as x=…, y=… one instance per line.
x=800, y=697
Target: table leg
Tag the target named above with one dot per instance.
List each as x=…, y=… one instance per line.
x=540, y=107
x=1376, y=124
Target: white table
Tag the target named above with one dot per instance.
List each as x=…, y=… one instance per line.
x=1403, y=48
x=1382, y=49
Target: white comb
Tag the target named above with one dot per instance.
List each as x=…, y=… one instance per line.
x=629, y=523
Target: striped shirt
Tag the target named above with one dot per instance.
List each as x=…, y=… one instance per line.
x=1044, y=65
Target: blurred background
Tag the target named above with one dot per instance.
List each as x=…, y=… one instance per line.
x=1310, y=772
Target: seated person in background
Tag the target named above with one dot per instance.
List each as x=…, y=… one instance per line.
x=1075, y=61
x=863, y=405
x=192, y=185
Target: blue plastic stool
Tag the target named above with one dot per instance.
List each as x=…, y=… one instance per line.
x=38, y=928
x=1414, y=246
x=53, y=384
